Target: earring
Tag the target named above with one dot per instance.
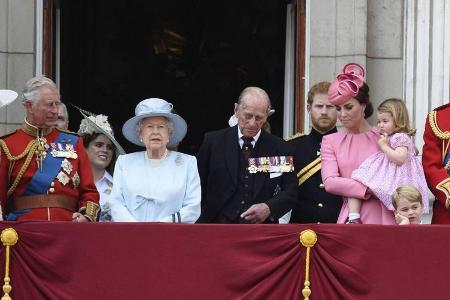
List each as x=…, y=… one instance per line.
x=141, y=140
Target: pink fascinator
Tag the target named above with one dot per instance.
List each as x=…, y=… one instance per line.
x=347, y=84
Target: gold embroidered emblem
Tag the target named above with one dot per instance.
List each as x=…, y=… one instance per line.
x=92, y=210
x=41, y=151
x=76, y=180
x=66, y=166
x=63, y=178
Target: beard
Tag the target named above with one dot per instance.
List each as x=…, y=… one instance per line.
x=323, y=124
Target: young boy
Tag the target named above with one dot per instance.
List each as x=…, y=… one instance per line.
x=408, y=205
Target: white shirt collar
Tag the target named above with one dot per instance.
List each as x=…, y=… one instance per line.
x=241, y=141
x=106, y=177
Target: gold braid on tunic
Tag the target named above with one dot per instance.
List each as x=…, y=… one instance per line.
x=443, y=135
x=29, y=152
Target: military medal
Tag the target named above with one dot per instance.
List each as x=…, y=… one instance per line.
x=63, y=150
x=63, y=178
x=67, y=166
x=272, y=164
x=252, y=168
x=76, y=180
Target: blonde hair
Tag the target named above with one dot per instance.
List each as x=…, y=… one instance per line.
x=408, y=192
x=397, y=108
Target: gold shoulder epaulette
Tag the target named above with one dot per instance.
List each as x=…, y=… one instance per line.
x=295, y=136
x=444, y=135
x=67, y=131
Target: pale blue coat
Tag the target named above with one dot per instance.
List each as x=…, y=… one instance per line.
x=168, y=192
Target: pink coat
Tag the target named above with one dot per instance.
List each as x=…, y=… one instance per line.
x=341, y=153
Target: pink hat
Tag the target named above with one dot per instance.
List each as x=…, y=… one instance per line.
x=347, y=84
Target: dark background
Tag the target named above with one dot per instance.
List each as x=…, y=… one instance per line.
x=195, y=54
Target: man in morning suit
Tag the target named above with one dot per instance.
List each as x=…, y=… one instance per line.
x=232, y=192
x=45, y=173
x=314, y=204
x=436, y=161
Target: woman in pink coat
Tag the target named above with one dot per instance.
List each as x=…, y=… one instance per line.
x=344, y=151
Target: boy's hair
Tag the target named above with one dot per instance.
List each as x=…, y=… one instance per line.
x=319, y=88
x=408, y=192
x=397, y=108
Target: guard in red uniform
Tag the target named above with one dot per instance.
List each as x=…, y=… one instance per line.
x=436, y=161
x=45, y=172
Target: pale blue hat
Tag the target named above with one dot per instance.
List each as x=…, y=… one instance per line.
x=154, y=107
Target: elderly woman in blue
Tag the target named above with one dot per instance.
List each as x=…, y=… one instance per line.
x=155, y=185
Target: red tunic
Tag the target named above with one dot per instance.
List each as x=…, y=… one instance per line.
x=82, y=189
x=435, y=149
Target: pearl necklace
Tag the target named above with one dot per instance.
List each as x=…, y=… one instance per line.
x=156, y=162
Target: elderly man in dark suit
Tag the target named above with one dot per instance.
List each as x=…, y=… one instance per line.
x=245, y=173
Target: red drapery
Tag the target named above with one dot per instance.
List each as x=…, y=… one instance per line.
x=176, y=261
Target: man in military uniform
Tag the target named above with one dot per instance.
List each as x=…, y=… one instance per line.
x=436, y=161
x=314, y=204
x=45, y=172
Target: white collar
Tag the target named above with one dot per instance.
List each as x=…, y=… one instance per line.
x=255, y=138
x=106, y=177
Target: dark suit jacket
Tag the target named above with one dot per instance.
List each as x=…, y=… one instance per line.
x=314, y=204
x=218, y=164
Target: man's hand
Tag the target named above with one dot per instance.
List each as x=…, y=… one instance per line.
x=257, y=213
x=77, y=217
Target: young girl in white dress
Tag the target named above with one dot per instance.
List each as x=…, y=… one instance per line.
x=396, y=164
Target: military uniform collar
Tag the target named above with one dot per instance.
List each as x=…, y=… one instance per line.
x=33, y=130
x=318, y=136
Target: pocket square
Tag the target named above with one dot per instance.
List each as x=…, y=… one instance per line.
x=276, y=174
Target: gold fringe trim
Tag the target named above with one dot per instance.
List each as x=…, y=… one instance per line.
x=308, y=239
x=9, y=238
x=29, y=151
x=443, y=135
